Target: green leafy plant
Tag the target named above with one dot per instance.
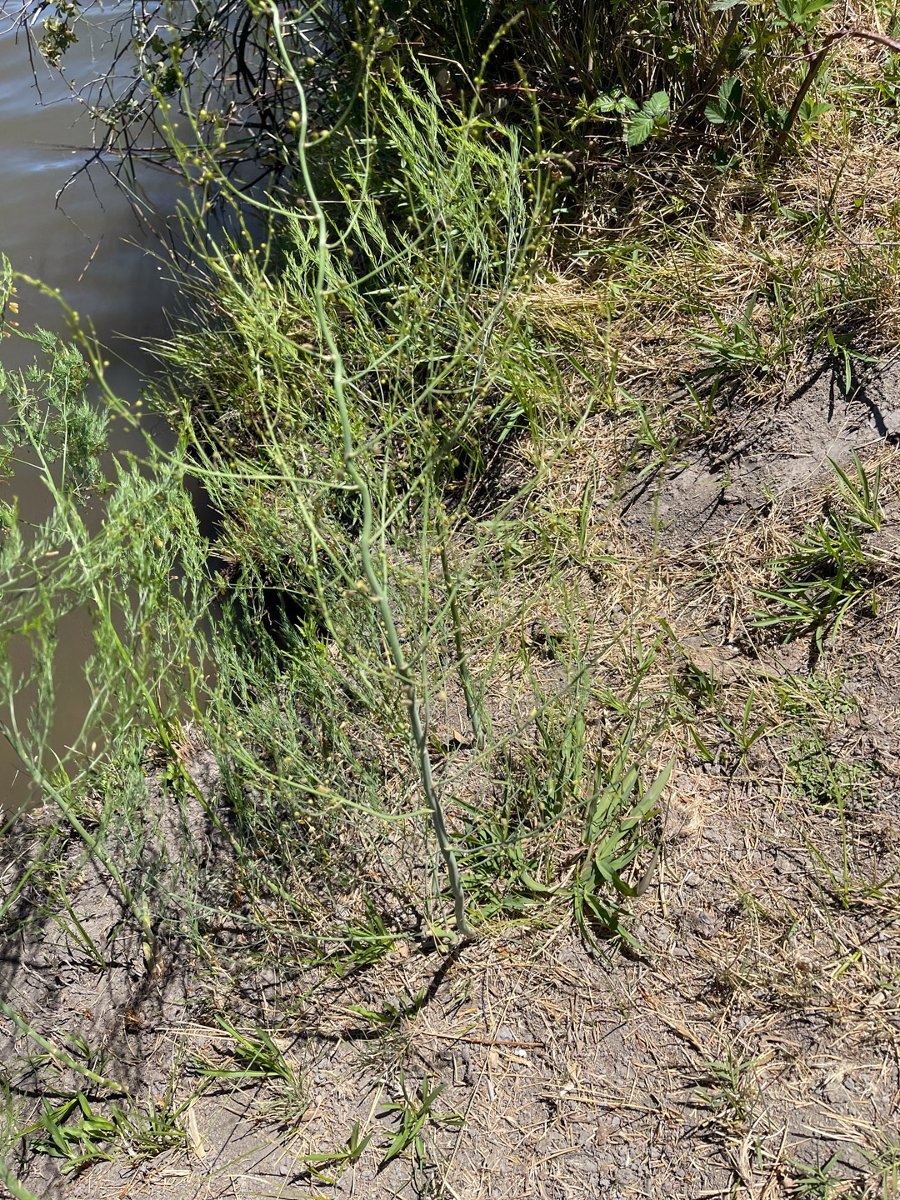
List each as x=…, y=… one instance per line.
x=802, y=15
x=78, y=1134
x=255, y=1055
x=647, y=120
x=151, y=1128
x=502, y=873
x=817, y=776
x=413, y=1112
x=614, y=104
x=819, y=1181
x=825, y=576
x=860, y=493
x=751, y=344
x=364, y=943
x=726, y=106
x=747, y=731
x=327, y=1166
x=511, y=858
x=730, y=1090
x=75, y=1133
x=253, y=1058
x=617, y=809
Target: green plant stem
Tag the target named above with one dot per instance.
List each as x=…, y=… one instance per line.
x=12, y=1184
x=58, y=1053
x=815, y=66
x=375, y=585
x=462, y=665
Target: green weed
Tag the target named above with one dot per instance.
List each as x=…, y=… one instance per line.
x=327, y=1167
x=820, y=1182
x=826, y=575
x=75, y=1133
x=364, y=943
x=413, y=1112
x=377, y=390
x=884, y=1168
x=731, y=1091
x=818, y=777
x=746, y=346
x=618, y=808
x=860, y=492
x=255, y=1055
x=747, y=731
x=587, y=78
x=78, y=1134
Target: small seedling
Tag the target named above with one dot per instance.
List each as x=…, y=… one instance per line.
x=885, y=1168
x=730, y=1090
x=414, y=1110
x=366, y=942
x=612, y=842
x=824, y=577
x=255, y=1055
x=73, y=1132
x=818, y=777
x=651, y=119
x=391, y=1016
x=77, y=1133
x=257, y=1058
x=740, y=348
x=819, y=1182
x=746, y=732
x=350, y=1153
x=861, y=495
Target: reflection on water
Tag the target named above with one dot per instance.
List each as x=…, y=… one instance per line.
x=85, y=241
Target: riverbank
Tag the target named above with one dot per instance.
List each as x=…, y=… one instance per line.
x=576, y=538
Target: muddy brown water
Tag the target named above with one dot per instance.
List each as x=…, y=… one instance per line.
x=80, y=235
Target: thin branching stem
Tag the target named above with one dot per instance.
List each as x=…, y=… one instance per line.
x=374, y=583
x=462, y=664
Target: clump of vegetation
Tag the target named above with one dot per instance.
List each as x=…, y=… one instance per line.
x=717, y=80
x=828, y=571
x=423, y=388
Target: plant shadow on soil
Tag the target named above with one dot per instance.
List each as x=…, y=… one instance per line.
x=773, y=451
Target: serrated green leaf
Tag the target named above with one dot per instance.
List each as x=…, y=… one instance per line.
x=652, y=116
x=725, y=108
x=658, y=105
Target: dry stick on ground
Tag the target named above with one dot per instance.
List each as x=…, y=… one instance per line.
x=815, y=66
x=376, y=587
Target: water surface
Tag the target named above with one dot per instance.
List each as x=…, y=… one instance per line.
x=77, y=232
